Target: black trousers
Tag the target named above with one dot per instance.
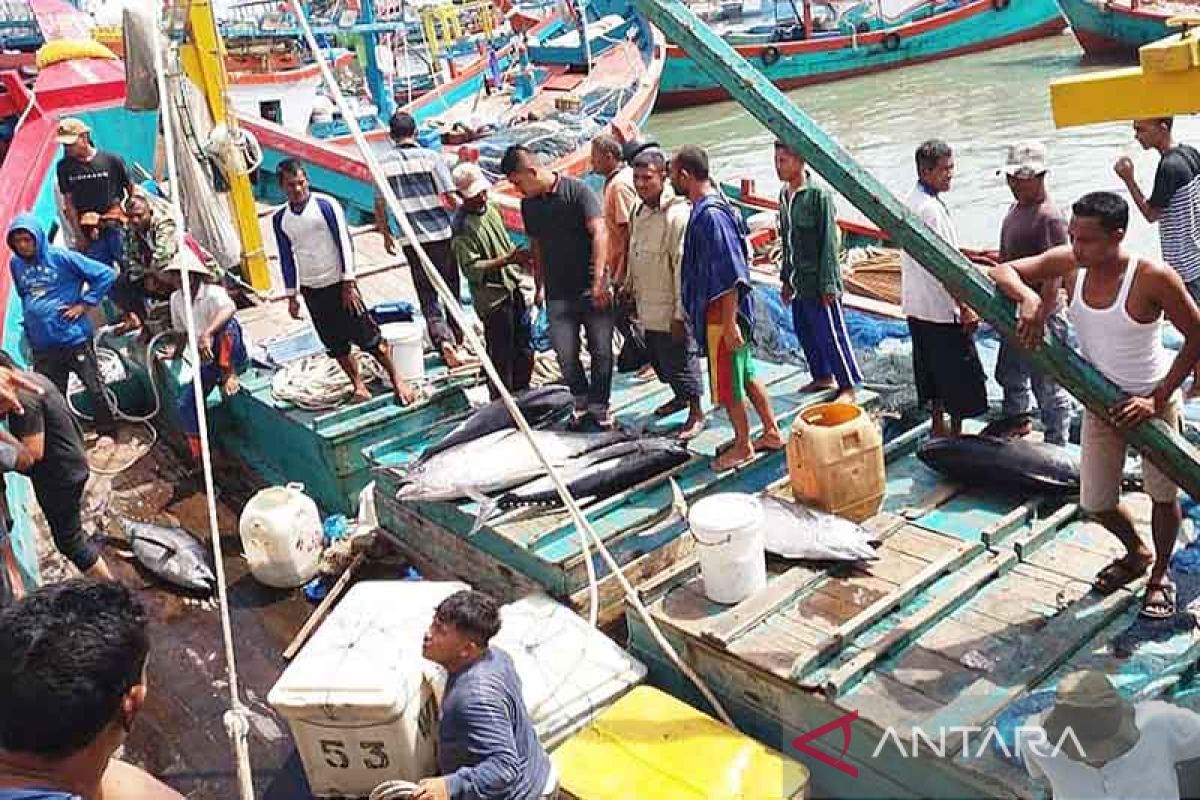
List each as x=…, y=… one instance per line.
x=62, y=505
x=442, y=329
x=507, y=334
x=58, y=363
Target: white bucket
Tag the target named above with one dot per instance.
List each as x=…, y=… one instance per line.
x=728, y=529
x=406, y=344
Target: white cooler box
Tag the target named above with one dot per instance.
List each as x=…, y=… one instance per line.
x=362, y=702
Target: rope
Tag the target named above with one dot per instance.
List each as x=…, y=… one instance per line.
x=235, y=718
x=318, y=383
x=582, y=525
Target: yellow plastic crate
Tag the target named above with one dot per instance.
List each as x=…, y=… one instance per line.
x=650, y=745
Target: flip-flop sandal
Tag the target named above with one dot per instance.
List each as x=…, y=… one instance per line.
x=670, y=407
x=1161, y=609
x=1119, y=573
x=731, y=466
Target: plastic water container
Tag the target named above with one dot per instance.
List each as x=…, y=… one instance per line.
x=729, y=545
x=282, y=536
x=359, y=699
x=835, y=460
x=406, y=344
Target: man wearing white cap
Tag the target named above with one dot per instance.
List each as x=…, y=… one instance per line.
x=89, y=179
x=218, y=336
x=1098, y=745
x=489, y=260
x=1032, y=226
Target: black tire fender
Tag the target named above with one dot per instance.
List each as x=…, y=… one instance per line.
x=770, y=55
x=891, y=41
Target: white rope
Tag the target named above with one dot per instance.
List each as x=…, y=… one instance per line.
x=583, y=527
x=235, y=719
x=318, y=383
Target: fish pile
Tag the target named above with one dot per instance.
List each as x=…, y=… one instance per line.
x=1022, y=465
x=172, y=554
x=540, y=406
x=794, y=530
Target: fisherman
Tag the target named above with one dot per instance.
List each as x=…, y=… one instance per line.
x=89, y=179
x=487, y=746
x=149, y=246
x=1031, y=227
x=72, y=683
x=810, y=277
x=1174, y=203
x=570, y=250
x=218, y=339
x=617, y=202
x=1100, y=746
x=315, y=254
x=101, y=241
x=491, y=263
x=49, y=450
x=946, y=367
x=656, y=231
x=58, y=287
x=421, y=181
x=1118, y=300
x=715, y=285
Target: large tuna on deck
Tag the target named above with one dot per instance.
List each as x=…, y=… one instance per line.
x=991, y=461
x=539, y=406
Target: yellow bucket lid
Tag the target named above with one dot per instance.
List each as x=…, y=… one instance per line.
x=648, y=744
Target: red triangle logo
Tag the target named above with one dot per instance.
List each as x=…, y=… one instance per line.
x=843, y=722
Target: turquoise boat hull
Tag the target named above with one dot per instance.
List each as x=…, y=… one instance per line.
x=1110, y=30
x=971, y=27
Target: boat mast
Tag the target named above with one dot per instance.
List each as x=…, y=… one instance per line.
x=377, y=83
x=1164, y=446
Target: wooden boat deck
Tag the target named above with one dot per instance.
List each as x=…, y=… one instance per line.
x=979, y=602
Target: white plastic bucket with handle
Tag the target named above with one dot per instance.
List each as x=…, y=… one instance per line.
x=406, y=344
x=728, y=529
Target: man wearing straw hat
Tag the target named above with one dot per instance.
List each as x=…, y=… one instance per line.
x=218, y=337
x=1099, y=745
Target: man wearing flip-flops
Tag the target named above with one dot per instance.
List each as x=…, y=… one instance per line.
x=1117, y=303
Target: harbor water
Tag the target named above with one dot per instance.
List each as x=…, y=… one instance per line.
x=978, y=103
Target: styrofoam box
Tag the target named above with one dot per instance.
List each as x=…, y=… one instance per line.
x=362, y=703
x=359, y=698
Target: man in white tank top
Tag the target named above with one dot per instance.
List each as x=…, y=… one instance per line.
x=1117, y=304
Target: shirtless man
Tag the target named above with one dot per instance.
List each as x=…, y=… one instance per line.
x=1118, y=301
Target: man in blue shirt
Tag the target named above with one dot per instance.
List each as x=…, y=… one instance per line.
x=487, y=747
x=72, y=682
x=58, y=287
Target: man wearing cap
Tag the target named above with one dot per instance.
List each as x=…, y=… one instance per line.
x=89, y=179
x=655, y=279
x=1174, y=203
x=1098, y=745
x=421, y=182
x=1031, y=227
x=487, y=257
x=218, y=338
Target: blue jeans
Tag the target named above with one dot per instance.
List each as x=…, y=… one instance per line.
x=1016, y=375
x=566, y=318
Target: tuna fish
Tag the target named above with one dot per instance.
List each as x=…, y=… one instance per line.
x=496, y=462
x=540, y=406
x=1018, y=464
x=172, y=554
x=794, y=530
x=602, y=473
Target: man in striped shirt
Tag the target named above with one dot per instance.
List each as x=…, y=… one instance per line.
x=1174, y=203
x=317, y=258
x=422, y=183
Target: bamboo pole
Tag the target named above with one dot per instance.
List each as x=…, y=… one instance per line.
x=1165, y=447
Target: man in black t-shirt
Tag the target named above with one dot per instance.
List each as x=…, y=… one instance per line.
x=89, y=179
x=565, y=226
x=50, y=452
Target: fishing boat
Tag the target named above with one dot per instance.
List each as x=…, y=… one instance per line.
x=797, y=45
x=1117, y=28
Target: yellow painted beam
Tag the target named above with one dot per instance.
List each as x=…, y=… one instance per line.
x=203, y=59
x=1166, y=84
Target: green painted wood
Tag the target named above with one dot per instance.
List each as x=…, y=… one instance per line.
x=1162, y=445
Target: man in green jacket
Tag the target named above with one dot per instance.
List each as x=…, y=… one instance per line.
x=489, y=260
x=811, y=278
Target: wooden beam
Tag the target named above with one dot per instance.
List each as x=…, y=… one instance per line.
x=998, y=529
x=1165, y=447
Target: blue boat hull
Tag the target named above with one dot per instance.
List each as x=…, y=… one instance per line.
x=1110, y=30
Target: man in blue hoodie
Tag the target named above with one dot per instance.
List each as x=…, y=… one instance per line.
x=58, y=287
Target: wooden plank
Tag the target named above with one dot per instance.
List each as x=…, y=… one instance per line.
x=928, y=546
x=1032, y=539
x=895, y=567
x=1066, y=558
x=941, y=494
x=612, y=596
x=770, y=647
x=745, y=615
x=1013, y=519
x=678, y=573
x=931, y=674
x=884, y=605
